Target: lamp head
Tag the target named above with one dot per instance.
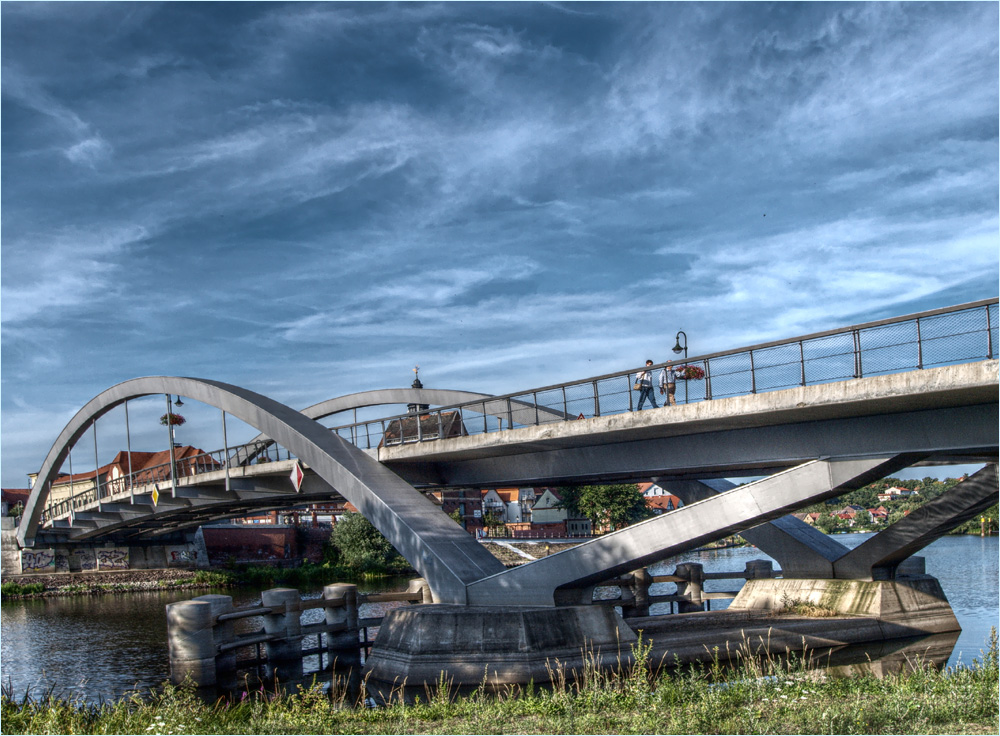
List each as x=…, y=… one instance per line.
x=677, y=348
x=178, y=402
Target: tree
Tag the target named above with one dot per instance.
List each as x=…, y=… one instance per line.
x=608, y=507
x=361, y=546
x=493, y=522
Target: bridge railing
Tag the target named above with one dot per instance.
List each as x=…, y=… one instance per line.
x=142, y=481
x=962, y=334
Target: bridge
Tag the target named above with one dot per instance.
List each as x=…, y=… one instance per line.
x=817, y=415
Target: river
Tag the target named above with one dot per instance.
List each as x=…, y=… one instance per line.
x=103, y=647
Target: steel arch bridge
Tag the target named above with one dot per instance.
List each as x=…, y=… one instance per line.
x=897, y=434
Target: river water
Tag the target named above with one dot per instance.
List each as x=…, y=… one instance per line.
x=106, y=646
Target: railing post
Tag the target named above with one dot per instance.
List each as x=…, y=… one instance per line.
x=510, y=414
x=628, y=385
x=989, y=334
x=343, y=646
x=284, y=653
x=692, y=587
x=191, y=643
x=753, y=375
x=597, y=400
x=802, y=361
x=440, y=425
x=565, y=407
x=920, y=347
x=224, y=632
x=641, y=580
x=858, y=372
x=534, y=398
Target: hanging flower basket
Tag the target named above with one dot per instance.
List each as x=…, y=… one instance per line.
x=174, y=420
x=690, y=373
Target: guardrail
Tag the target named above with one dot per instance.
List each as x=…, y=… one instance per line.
x=962, y=334
x=635, y=599
x=205, y=649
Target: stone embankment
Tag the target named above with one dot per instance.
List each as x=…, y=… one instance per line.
x=112, y=581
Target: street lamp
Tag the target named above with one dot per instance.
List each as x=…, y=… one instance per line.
x=178, y=402
x=678, y=349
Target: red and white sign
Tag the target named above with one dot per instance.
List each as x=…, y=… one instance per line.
x=297, y=476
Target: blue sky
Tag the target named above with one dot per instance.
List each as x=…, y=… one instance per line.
x=309, y=199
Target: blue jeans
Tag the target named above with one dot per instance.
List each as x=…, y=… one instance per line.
x=646, y=392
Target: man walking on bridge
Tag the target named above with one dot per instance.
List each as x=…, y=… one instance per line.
x=668, y=385
x=644, y=382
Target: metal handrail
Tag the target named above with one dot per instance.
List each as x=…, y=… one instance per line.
x=857, y=349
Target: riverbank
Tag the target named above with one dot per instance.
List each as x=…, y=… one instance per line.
x=759, y=697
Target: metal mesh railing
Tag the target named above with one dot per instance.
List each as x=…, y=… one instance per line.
x=954, y=335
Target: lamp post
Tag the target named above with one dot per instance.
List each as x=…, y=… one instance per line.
x=678, y=349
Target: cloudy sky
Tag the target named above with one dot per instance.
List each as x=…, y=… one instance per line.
x=309, y=199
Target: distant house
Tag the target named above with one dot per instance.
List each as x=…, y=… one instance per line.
x=12, y=499
x=895, y=494
x=662, y=504
x=510, y=505
x=146, y=468
x=547, y=510
x=879, y=515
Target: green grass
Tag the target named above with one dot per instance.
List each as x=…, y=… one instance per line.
x=17, y=589
x=761, y=696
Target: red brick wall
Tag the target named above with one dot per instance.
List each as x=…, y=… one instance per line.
x=250, y=542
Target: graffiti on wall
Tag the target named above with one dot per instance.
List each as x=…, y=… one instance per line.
x=38, y=560
x=84, y=559
x=181, y=556
x=112, y=558
x=62, y=562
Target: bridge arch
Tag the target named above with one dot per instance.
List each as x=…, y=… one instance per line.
x=412, y=523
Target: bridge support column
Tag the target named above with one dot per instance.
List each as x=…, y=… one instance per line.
x=284, y=654
x=898, y=608
x=501, y=645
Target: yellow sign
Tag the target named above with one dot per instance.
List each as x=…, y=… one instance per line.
x=156, y=495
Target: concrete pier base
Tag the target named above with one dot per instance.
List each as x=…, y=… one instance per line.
x=906, y=606
x=497, y=645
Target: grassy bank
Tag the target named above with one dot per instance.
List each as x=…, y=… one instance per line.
x=767, y=697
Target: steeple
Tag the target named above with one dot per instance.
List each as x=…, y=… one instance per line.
x=416, y=408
